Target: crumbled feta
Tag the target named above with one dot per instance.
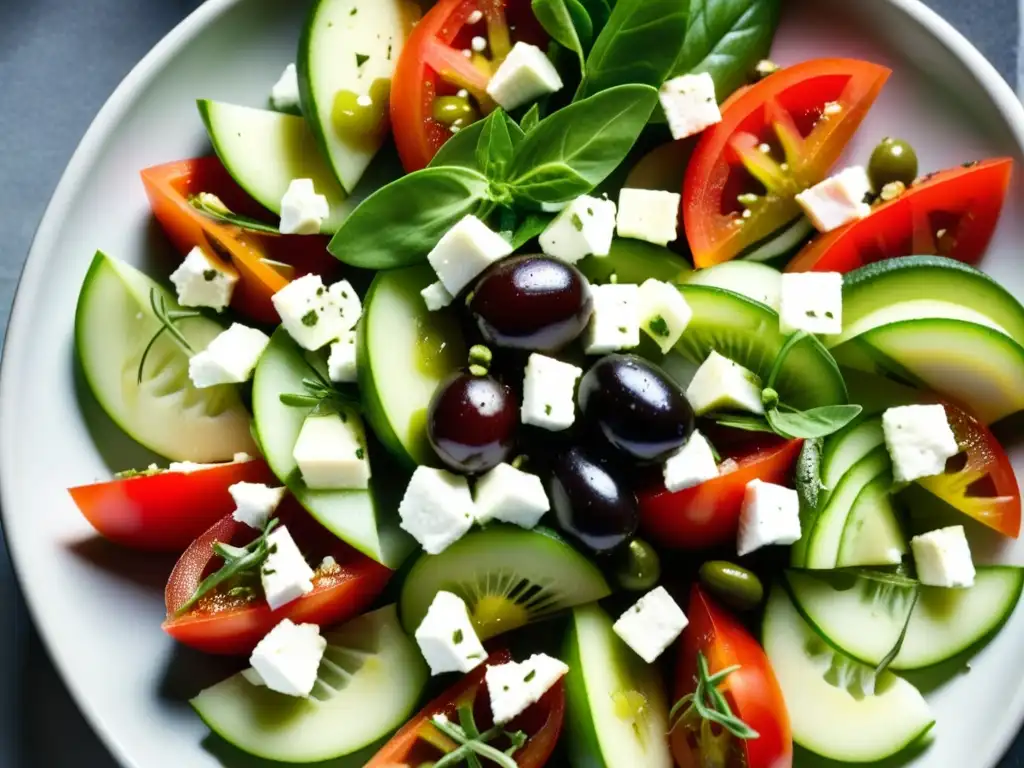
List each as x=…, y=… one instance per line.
x=201, y=283
x=510, y=495
x=437, y=509
x=770, y=515
x=549, y=388
x=446, y=637
x=837, y=200
x=229, y=359
x=690, y=104
x=302, y=209
x=255, y=503
x=691, y=465
x=478, y=44
x=514, y=688
x=436, y=296
x=584, y=227
x=186, y=467
x=943, y=558
x=285, y=574
x=341, y=364
x=466, y=250
x=525, y=75
x=919, y=440
x=615, y=322
x=331, y=452
x=284, y=96
x=652, y=624
x=648, y=214
x=663, y=312
x=721, y=384
x=812, y=302
x=315, y=315
x=287, y=659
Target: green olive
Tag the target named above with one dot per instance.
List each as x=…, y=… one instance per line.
x=732, y=584
x=358, y=115
x=638, y=567
x=454, y=110
x=892, y=160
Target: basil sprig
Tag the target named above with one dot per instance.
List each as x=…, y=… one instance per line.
x=568, y=22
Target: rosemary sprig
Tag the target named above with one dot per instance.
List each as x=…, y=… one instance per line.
x=473, y=744
x=707, y=704
x=167, y=320
x=321, y=395
x=212, y=206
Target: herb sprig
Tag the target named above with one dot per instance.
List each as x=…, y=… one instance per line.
x=210, y=205
x=167, y=319
x=473, y=744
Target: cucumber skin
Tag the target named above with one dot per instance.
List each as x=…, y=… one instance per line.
x=581, y=731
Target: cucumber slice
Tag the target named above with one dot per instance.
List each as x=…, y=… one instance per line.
x=837, y=707
x=811, y=494
x=747, y=332
x=616, y=708
x=369, y=682
x=864, y=619
x=366, y=519
x=848, y=446
x=113, y=324
x=633, y=261
x=966, y=362
x=747, y=278
x=508, y=577
x=872, y=535
x=781, y=244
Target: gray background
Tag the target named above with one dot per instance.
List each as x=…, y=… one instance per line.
x=59, y=60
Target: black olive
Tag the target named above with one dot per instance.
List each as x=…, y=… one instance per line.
x=471, y=422
x=591, y=503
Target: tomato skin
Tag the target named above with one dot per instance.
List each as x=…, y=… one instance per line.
x=965, y=199
x=752, y=691
x=708, y=514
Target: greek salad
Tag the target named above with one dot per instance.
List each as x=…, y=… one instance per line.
x=555, y=364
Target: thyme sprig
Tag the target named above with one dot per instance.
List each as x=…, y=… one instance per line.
x=473, y=744
x=167, y=319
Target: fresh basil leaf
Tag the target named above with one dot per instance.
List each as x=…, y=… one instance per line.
x=800, y=352
x=460, y=149
x=213, y=208
x=530, y=119
x=599, y=11
x=530, y=227
x=568, y=23
x=739, y=421
x=814, y=422
x=498, y=139
x=400, y=223
x=576, y=148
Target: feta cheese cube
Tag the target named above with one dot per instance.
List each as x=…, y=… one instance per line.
x=837, y=200
x=255, y=503
x=466, y=250
x=723, y=385
x=648, y=214
x=331, y=452
x=201, y=283
x=341, y=364
x=663, y=312
x=549, y=389
x=525, y=75
x=919, y=440
x=285, y=574
x=437, y=509
x=770, y=515
x=302, y=209
x=229, y=359
x=615, y=322
x=287, y=659
x=314, y=315
x=446, y=637
x=436, y=296
x=514, y=688
x=584, y=227
x=652, y=624
x=284, y=96
x=510, y=495
x=690, y=104
x=812, y=302
x=691, y=465
x=943, y=558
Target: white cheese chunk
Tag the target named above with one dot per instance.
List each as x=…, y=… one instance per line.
x=510, y=495
x=229, y=359
x=837, y=200
x=436, y=296
x=255, y=503
x=525, y=75
x=331, y=452
x=690, y=104
x=663, y=312
x=341, y=364
x=466, y=250
x=285, y=574
x=652, y=624
x=303, y=210
x=253, y=677
x=691, y=465
x=615, y=322
x=437, y=509
x=315, y=315
x=811, y=302
x=919, y=440
x=284, y=96
x=186, y=467
x=721, y=384
x=770, y=515
x=514, y=688
x=648, y=214
x=584, y=227
x=287, y=659
x=446, y=637
x=201, y=283
x=549, y=388
x=943, y=558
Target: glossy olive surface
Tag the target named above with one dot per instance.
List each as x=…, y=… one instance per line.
x=532, y=303
x=471, y=422
x=637, y=567
x=892, y=160
x=590, y=502
x=733, y=584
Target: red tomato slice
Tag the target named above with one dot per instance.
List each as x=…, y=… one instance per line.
x=708, y=514
x=951, y=213
x=165, y=512
x=752, y=691
x=224, y=624
x=419, y=743
x=805, y=115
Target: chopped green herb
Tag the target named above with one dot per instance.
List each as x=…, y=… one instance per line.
x=530, y=675
x=658, y=326
x=310, y=318
x=353, y=12
x=320, y=291
x=577, y=222
x=360, y=453
x=210, y=275
x=623, y=329
x=457, y=637
x=361, y=58
x=547, y=409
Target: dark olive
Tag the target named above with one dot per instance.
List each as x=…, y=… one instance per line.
x=590, y=503
x=636, y=407
x=637, y=566
x=892, y=160
x=471, y=422
x=732, y=584
x=532, y=303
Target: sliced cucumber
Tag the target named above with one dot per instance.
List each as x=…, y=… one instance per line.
x=633, y=261
x=617, y=714
x=365, y=519
x=404, y=353
x=114, y=323
x=369, y=682
x=747, y=278
x=781, y=244
x=872, y=534
x=848, y=446
x=811, y=494
x=508, y=577
x=838, y=708
x=864, y=618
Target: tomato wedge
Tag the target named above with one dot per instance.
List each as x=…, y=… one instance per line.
x=708, y=514
x=752, y=691
x=419, y=743
x=951, y=213
x=226, y=624
x=776, y=139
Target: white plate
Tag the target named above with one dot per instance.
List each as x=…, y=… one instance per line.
x=99, y=609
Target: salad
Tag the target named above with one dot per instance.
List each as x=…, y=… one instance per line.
x=539, y=388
